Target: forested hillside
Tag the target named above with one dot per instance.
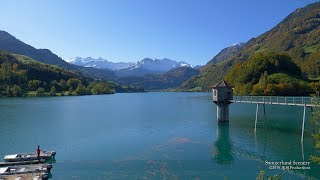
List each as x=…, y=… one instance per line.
x=298, y=35
x=13, y=45
x=23, y=76
x=270, y=74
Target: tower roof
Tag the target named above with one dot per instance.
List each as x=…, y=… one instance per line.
x=222, y=83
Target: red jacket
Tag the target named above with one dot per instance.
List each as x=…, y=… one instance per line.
x=38, y=151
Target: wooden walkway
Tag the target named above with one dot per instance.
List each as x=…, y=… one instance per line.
x=291, y=101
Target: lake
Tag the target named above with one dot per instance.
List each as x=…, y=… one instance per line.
x=155, y=136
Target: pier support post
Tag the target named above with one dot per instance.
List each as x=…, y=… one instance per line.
x=222, y=112
x=255, y=123
x=303, y=120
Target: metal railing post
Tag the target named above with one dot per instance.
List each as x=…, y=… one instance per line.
x=285, y=100
x=255, y=123
x=303, y=120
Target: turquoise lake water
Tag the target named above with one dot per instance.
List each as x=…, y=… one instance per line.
x=155, y=136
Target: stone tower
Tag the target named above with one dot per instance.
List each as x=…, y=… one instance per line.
x=222, y=93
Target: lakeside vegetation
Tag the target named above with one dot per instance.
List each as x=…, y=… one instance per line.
x=22, y=76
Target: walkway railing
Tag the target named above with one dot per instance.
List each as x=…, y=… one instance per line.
x=294, y=101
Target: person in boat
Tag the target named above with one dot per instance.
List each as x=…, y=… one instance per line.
x=38, y=153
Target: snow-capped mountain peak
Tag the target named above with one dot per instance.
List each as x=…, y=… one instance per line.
x=99, y=63
x=160, y=65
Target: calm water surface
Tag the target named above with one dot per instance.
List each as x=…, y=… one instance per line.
x=154, y=136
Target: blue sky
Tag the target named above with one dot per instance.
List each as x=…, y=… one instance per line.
x=130, y=30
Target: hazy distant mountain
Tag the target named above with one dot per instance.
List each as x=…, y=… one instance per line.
x=171, y=79
x=151, y=66
x=99, y=63
x=13, y=45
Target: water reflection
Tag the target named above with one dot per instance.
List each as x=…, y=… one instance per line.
x=222, y=147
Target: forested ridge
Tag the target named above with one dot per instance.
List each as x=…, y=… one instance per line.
x=23, y=76
x=270, y=74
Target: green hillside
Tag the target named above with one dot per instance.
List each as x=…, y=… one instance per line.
x=298, y=35
x=23, y=76
x=269, y=74
x=13, y=45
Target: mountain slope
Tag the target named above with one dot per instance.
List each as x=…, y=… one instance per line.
x=226, y=53
x=21, y=76
x=13, y=45
x=269, y=74
x=24, y=74
x=170, y=79
x=298, y=35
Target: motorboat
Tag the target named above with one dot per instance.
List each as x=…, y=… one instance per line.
x=28, y=176
x=46, y=155
x=24, y=169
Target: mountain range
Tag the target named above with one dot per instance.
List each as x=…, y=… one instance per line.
x=151, y=74
x=123, y=69
x=99, y=63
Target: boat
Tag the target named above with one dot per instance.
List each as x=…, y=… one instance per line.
x=41, y=161
x=10, y=170
x=33, y=176
x=29, y=156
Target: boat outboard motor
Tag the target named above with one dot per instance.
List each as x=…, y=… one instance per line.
x=45, y=176
x=53, y=153
x=49, y=167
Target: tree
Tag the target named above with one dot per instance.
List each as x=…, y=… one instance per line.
x=15, y=67
x=52, y=91
x=63, y=85
x=71, y=90
x=55, y=83
x=5, y=72
x=40, y=92
x=34, y=85
x=73, y=82
x=16, y=90
x=8, y=91
x=81, y=90
x=101, y=88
